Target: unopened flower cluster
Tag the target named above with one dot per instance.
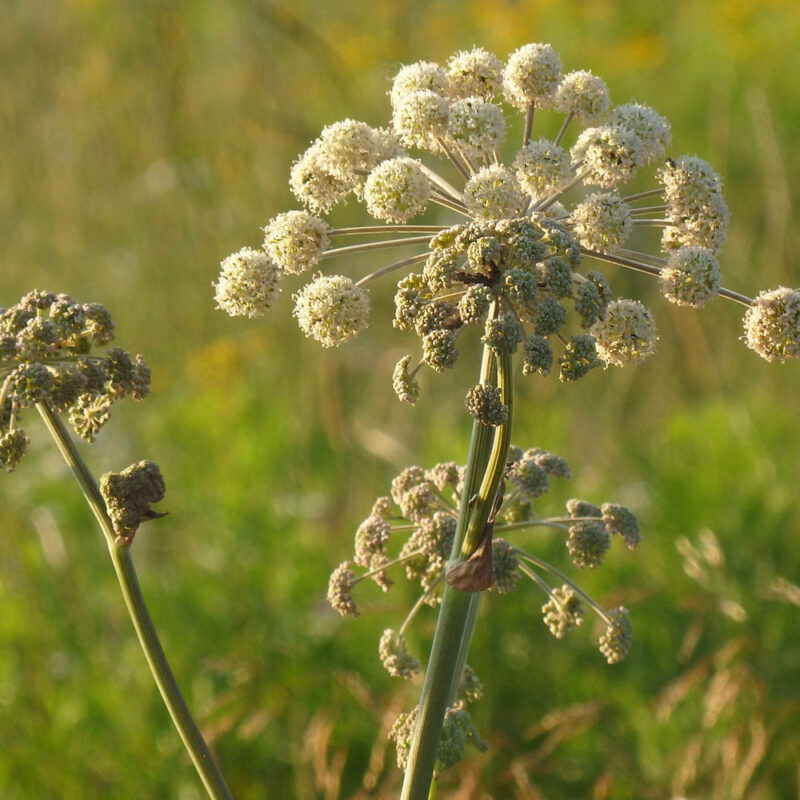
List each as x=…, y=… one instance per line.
x=129, y=494
x=412, y=529
x=46, y=343
x=512, y=260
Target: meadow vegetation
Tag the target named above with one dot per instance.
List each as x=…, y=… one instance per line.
x=145, y=141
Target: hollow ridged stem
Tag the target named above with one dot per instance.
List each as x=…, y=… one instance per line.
x=456, y=621
x=126, y=575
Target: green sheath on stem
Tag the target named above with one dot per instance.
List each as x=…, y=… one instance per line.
x=126, y=575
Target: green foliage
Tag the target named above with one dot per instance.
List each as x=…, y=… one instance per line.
x=145, y=141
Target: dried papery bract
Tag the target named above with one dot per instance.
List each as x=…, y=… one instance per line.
x=512, y=267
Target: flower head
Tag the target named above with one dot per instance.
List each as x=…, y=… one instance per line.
x=340, y=590
x=332, y=309
x=397, y=190
x=563, y=612
x=602, y=222
x=772, y=324
x=616, y=641
x=625, y=334
x=475, y=73
x=493, y=193
x=476, y=126
x=607, y=155
x=653, y=130
x=583, y=95
x=296, y=240
x=532, y=76
x=692, y=276
x=542, y=167
x=248, y=285
x=129, y=494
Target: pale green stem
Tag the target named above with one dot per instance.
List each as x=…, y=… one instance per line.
x=650, y=221
x=366, y=246
x=642, y=195
x=453, y=157
x=391, y=267
x=545, y=203
x=562, y=577
x=649, y=209
x=418, y=605
x=433, y=229
x=388, y=565
x=526, y=133
x=454, y=626
x=126, y=575
x=533, y=523
x=564, y=127
x=656, y=273
x=440, y=200
x=447, y=187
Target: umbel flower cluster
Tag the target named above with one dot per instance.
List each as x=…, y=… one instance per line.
x=411, y=531
x=46, y=343
x=519, y=258
x=422, y=510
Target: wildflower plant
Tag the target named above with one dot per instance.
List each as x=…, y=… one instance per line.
x=516, y=263
x=511, y=273
x=48, y=361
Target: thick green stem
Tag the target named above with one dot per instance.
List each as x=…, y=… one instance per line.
x=486, y=461
x=126, y=575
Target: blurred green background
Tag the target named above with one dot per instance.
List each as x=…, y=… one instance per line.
x=144, y=141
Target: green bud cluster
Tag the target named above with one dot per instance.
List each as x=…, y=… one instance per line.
x=46, y=343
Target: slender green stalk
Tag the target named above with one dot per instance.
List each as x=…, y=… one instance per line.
x=126, y=575
x=486, y=461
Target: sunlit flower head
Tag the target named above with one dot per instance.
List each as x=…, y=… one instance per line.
x=332, y=309
x=583, y=95
x=532, y=75
x=248, y=285
x=475, y=73
x=625, y=334
x=772, y=324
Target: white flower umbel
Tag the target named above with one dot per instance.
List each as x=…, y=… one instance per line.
x=296, y=240
x=332, y=310
x=653, y=130
x=602, y=222
x=692, y=277
x=420, y=118
x=422, y=75
x=582, y=95
x=607, y=155
x=494, y=193
x=772, y=324
x=532, y=76
x=543, y=168
x=475, y=73
x=397, y=190
x=626, y=334
x=248, y=285
x=516, y=258
x=476, y=126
